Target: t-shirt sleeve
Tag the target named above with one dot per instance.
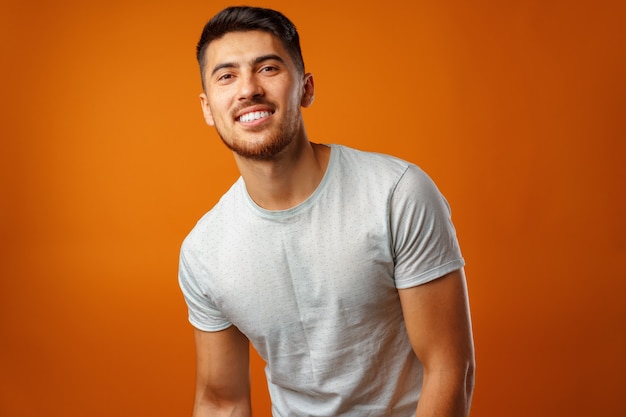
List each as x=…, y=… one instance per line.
x=424, y=239
x=203, y=314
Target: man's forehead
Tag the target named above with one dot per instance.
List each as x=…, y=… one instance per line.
x=244, y=46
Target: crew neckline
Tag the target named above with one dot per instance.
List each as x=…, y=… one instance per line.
x=303, y=205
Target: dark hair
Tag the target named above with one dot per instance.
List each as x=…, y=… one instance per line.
x=243, y=19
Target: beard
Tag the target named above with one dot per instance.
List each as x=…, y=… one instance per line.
x=268, y=147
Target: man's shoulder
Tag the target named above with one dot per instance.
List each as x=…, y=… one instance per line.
x=217, y=217
x=369, y=163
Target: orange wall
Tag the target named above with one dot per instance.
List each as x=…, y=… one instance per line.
x=516, y=109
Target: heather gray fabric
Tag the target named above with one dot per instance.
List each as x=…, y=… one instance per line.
x=314, y=287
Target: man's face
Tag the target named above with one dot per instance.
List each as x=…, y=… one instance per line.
x=253, y=93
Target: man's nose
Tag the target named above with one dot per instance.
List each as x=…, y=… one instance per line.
x=249, y=87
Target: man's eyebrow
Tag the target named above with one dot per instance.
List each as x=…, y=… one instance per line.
x=256, y=61
x=222, y=66
x=269, y=57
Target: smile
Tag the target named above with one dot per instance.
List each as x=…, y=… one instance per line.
x=255, y=115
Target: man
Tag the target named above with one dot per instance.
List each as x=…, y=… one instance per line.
x=341, y=267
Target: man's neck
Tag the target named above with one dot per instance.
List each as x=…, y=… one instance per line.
x=287, y=180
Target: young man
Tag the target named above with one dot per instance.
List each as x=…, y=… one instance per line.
x=341, y=267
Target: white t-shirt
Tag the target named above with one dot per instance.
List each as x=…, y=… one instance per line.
x=314, y=287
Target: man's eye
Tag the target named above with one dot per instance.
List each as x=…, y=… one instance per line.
x=269, y=68
x=224, y=77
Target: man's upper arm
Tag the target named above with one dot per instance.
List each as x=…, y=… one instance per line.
x=223, y=376
x=438, y=321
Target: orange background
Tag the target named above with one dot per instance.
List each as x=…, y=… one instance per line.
x=515, y=108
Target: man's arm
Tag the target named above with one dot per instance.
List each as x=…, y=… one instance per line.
x=222, y=374
x=439, y=326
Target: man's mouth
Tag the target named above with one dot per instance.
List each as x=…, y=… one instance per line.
x=254, y=115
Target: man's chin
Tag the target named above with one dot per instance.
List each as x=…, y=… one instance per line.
x=264, y=151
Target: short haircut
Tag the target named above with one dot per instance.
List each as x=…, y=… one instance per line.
x=244, y=19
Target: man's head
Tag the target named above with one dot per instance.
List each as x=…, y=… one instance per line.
x=242, y=19
x=254, y=84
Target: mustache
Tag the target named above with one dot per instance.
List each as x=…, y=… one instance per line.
x=255, y=101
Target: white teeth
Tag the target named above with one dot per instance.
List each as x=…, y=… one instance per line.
x=248, y=117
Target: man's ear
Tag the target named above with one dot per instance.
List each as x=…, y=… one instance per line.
x=206, y=110
x=308, y=94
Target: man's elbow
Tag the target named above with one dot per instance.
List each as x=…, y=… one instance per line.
x=222, y=400
x=205, y=407
x=470, y=377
